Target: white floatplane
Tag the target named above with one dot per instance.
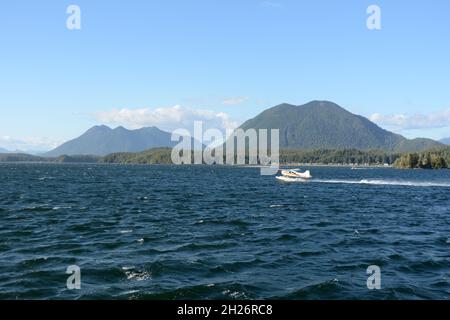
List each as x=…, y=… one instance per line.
x=294, y=175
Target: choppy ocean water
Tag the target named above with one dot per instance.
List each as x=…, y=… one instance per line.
x=213, y=232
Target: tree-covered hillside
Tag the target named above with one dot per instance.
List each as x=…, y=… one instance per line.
x=325, y=125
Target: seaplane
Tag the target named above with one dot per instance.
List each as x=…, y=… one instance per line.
x=294, y=175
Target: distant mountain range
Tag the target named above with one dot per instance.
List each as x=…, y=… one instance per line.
x=315, y=125
x=445, y=141
x=325, y=125
x=2, y=150
x=102, y=140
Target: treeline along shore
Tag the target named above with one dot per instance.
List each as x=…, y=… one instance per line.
x=23, y=157
x=432, y=159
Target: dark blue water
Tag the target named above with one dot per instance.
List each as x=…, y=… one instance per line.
x=207, y=232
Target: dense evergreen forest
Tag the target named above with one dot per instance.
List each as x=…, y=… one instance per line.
x=433, y=159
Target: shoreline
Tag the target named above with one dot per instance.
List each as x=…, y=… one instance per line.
x=337, y=165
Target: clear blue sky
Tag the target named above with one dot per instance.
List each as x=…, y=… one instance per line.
x=199, y=54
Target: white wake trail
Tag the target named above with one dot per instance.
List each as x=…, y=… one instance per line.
x=386, y=182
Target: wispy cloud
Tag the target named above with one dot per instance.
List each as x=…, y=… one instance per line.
x=234, y=101
x=413, y=121
x=28, y=144
x=168, y=118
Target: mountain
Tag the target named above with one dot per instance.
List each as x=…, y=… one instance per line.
x=20, y=157
x=325, y=125
x=16, y=151
x=102, y=140
x=445, y=141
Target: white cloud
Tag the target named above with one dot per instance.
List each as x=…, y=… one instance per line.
x=234, y=101
x=413, y=121
x=169, y=118
x=28, y=144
